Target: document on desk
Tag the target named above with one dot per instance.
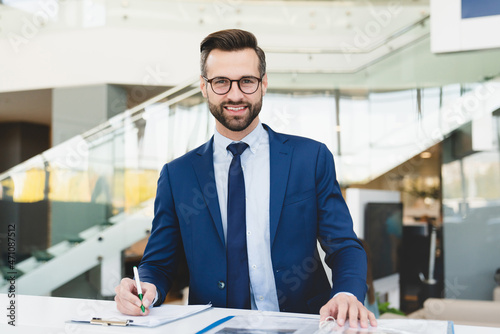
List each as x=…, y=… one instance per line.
x=266, y=324
x=395, y=326
x=158, y=316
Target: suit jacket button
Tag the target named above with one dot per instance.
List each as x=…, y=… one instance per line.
x=221, y=285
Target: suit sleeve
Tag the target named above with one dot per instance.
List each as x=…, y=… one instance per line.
x=344, y=253
x=159, y=263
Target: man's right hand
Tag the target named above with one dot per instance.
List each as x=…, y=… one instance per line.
x=127, y=300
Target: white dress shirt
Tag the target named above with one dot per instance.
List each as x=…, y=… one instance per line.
x=256, y=170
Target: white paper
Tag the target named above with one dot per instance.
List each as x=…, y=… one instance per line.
x=157, y=315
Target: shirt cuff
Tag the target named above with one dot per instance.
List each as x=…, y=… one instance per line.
x=338, y=293
x=155, y=300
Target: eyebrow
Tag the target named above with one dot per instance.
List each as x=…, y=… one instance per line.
x=243, y=76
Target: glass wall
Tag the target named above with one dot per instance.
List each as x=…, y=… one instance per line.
x=471, y=213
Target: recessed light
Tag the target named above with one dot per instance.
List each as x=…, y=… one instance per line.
x=425, y=155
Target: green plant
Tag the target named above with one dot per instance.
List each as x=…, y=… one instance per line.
x=384, y=308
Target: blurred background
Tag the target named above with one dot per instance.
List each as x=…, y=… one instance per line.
x=95, y=96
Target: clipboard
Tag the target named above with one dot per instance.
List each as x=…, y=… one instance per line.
x=103, y=322
x=158, y=316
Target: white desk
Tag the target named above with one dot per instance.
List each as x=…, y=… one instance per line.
x=36, y=314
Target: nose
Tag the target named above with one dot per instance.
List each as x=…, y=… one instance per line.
x=235, y=94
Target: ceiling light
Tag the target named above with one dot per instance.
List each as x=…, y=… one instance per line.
x=425, y=155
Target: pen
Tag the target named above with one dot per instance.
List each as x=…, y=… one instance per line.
x=139, y=290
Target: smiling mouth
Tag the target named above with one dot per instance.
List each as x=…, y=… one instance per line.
x=235, y=108
x=236, y=111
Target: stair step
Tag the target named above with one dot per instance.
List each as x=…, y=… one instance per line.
x=106, y=224
x=28, y=265
x=75, y=239
x=42, y=256
x=60, y=248
x=7, y=272
x=90, y=232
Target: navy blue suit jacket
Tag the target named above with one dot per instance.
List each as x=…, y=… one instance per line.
x=306, y=206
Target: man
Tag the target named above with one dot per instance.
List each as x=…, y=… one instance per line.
x=248, y=207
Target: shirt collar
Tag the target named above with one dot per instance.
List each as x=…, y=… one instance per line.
x=253, y=139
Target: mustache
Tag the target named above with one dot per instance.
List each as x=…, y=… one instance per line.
x=235, y=103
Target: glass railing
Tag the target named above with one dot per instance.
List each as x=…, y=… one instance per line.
x=373, y=132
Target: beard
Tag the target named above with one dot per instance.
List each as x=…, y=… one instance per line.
x=235, y=123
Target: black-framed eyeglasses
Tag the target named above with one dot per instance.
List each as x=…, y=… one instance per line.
x=222, y=85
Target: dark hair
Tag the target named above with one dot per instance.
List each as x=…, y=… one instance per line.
x=231, y=40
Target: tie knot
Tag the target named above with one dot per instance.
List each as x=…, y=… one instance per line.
x=237, y=148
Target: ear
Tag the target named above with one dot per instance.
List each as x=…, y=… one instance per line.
x=264, y=84
x=203, y=87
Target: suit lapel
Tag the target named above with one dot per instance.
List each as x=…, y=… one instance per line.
x=280, y=159
x=203, y=165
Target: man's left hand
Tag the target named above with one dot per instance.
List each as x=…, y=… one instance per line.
x=344, y=306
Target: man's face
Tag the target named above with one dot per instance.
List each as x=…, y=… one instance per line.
x=235, y=110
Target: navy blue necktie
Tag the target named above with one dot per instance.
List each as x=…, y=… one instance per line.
x=238, y=280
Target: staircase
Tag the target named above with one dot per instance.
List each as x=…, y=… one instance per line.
x=47, y=270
